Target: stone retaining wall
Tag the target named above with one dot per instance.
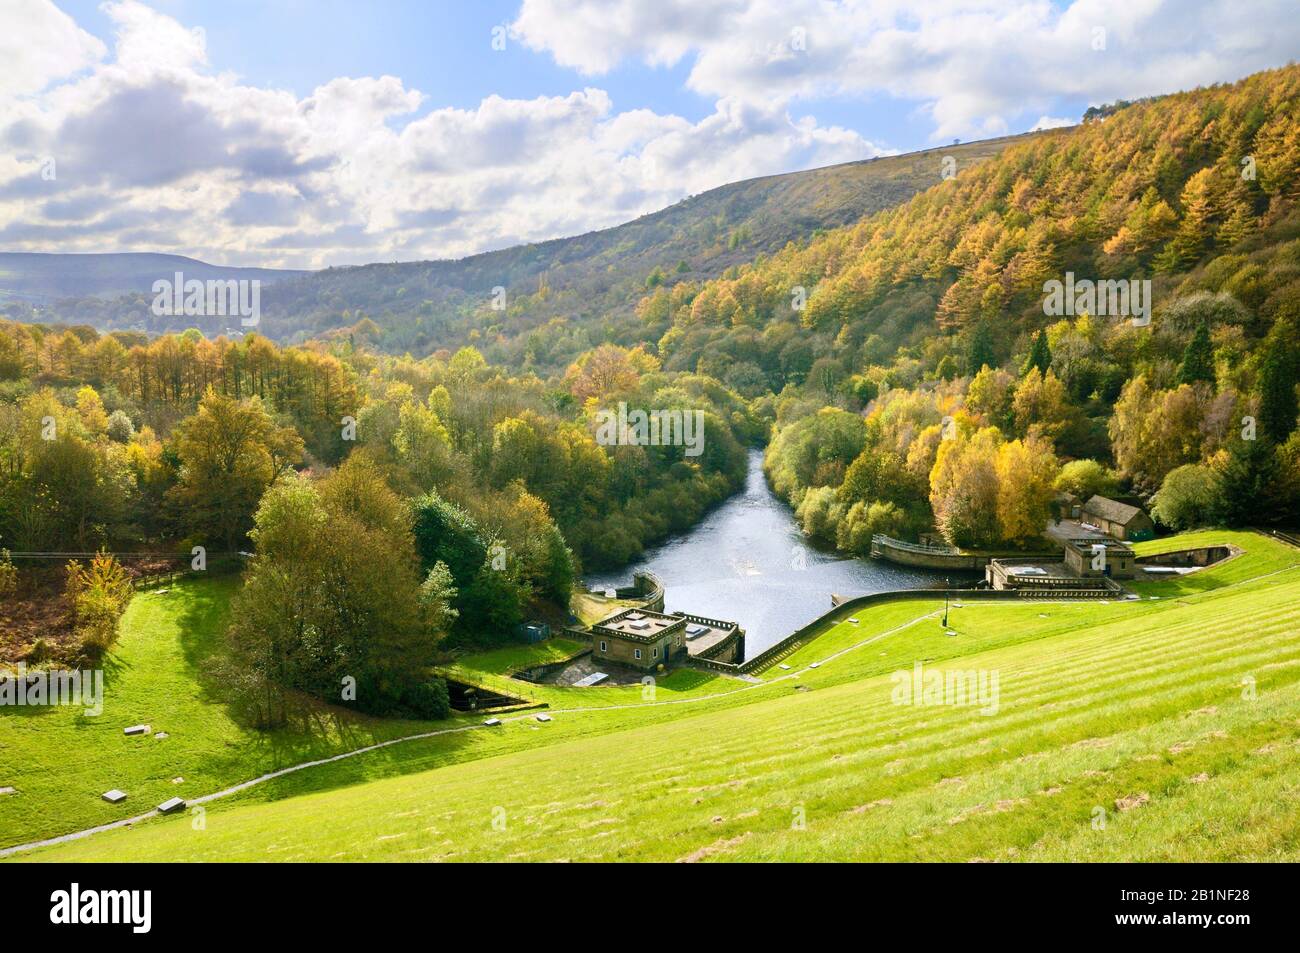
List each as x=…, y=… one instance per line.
x=807, y=633
x=939, y=557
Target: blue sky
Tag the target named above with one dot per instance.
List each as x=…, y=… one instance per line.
x=442, y=48
x=306, y=134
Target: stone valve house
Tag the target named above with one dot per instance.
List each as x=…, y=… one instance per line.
x=1088, y=558
x=641, y=638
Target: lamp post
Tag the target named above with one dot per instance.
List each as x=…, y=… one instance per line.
x=947, y=584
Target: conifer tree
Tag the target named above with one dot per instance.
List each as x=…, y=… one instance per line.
x=980, y=354
x=1040, y=356
x=1276, y=384
x=1198, y=358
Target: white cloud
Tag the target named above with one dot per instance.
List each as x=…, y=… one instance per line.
x=1052, y=122
x=596, y=37
x=148, y=40
x=40, y=43
x=156, y=152
x=975, y=65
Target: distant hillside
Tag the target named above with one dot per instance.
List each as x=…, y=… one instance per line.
x=43, y=279
x=590, y=282
x=1195, y=191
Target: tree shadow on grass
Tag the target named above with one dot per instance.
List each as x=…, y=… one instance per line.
x=203, y=622
x=109, y=663
x=315, y=729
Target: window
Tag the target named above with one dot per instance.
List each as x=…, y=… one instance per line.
x=654, y=653
x=638, y=653
x=603, y=646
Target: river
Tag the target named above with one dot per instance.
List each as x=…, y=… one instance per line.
x=747, y=561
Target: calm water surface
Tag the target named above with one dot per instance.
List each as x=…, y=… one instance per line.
x=748, y=562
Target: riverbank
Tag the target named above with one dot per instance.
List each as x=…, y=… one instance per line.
x=749, y=562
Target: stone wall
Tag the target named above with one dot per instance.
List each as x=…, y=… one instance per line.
x=940, y=557
x=645, y=587
x=807, y=633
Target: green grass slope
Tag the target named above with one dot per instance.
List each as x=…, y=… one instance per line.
x=60, y=760
x=1160, y=728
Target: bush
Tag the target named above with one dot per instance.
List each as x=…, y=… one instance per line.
x=863, y=520
x=428, y=699
x=99, y=594
x=1085, y=478
x=120, y=428
x=817, y=514
x=8, y=575
x=1190, y=496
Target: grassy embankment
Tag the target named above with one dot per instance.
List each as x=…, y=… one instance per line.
x=1134, y=712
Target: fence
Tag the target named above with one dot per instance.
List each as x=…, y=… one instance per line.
x=216, y=563
x=1287, y=538
x=807, y=633
x=889, y=541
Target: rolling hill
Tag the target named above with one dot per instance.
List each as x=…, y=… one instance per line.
x=591, y=282
x=46, y=278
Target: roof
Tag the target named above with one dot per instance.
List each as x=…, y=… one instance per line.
x=1088, y=544
x=1111, y=510
x=640, y=624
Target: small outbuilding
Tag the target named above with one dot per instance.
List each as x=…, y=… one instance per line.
x=645, y=639
x=639, y=638
x=1117, y=519
x=1091, y=558
x=532, y=632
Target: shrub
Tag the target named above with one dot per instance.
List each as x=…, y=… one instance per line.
x=8, y=575
x=120, y=428
x=815, y=513
x=99, y=594
x=1085, y=478
x=1190, y=496
x=864, y=520
x=428, y=699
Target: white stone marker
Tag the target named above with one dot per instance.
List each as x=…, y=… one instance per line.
x=492, y=721
x=114, y=796
x=171, y=805
x=543, y=717
x=136, y=730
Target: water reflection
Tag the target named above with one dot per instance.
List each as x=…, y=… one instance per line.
x=747, y=561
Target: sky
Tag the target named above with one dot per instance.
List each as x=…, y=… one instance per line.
x=310, y=133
